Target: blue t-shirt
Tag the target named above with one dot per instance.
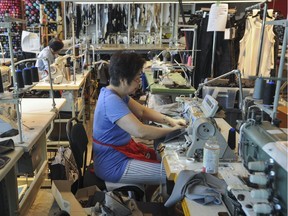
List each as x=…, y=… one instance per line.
x=109, y=164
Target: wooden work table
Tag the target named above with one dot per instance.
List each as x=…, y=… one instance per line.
x=73, y=88
x=30, y=156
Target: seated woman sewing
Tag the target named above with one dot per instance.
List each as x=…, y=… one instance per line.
x=117, y=157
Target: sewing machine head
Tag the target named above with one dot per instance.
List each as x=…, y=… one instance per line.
x=57, y=70
x=199, y=132
x=202, y=126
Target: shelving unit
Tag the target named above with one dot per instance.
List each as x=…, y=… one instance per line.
x=15, y=10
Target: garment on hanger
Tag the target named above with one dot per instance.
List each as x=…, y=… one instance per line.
x=249, y=49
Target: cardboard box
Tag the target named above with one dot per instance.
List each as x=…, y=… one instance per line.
x=61, y=190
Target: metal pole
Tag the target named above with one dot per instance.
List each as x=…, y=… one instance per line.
x=129, y=24
x=213, y=53
x=261, y=39
x=97, y=26
x=15, y=92
x=173, y=22
x=64, y=19
x=280, y=71
x=161, y=24
x=176, y=19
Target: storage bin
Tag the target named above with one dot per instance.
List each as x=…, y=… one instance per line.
x=226, y=96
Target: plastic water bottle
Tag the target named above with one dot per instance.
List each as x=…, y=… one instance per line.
x=211, y=156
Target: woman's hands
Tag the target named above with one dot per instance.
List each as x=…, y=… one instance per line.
x=174, y=122
x=178, y=122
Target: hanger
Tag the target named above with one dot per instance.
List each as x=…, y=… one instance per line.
x=260, y=14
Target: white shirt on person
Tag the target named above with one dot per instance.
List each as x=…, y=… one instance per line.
x=42, y=64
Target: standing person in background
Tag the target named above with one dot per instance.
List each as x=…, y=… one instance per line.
x=50, y=52
x=118, y=117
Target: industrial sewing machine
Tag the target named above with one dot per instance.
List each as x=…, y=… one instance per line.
x=58, y=72
x=263, y=148
x=202, y=126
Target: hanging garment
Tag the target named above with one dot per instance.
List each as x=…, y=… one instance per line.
x=166, y=14
x=203, y=57
x=249, y=49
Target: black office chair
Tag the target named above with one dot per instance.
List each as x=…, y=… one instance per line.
x=78, y=141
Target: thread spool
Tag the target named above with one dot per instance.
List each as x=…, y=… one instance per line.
x=262, y=208
x=19, y=79
x=76, y=50
x=269, y=93
x=155, y=74
x=1, y=84
x=260, y=194
x=34, y=74
x=256, y=165
x=27, y=76
x=259, y=88
x=67, y=72
x=258, y=179
x=232, y=138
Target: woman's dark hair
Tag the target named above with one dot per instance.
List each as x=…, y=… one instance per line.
x=56, y=44
x=125, y=66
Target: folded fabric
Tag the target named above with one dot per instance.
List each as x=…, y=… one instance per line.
x=203, y=188
x=6, y=146
x=3, y=161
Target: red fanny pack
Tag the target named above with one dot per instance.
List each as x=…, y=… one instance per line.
x=134, y=150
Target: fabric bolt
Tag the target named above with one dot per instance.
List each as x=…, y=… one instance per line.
x=203, y=188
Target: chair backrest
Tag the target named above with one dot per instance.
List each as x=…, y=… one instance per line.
x=78, y=141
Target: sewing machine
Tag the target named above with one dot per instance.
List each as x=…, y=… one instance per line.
x=58, y=70
x=202, y=126
x=263, y=149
